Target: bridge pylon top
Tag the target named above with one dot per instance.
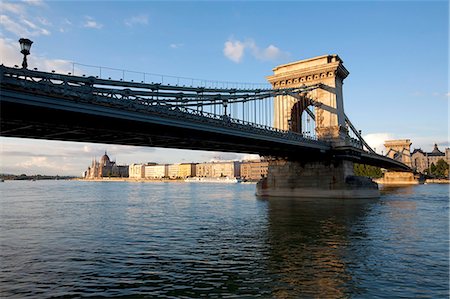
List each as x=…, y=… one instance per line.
x=308, y=71
x=329, y=71
x=398, y=143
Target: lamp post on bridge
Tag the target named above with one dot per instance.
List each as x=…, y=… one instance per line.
x=25, y=46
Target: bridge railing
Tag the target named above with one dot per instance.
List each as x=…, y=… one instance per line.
x=108, y=73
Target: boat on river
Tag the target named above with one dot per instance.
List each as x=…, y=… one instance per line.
x=222, y=180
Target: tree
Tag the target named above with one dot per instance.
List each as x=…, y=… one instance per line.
x=432, y=169
x=441, y=168
x=367, y=170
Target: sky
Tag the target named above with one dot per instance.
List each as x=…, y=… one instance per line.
x=396, y=52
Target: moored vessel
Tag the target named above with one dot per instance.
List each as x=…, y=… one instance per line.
x=225, y=180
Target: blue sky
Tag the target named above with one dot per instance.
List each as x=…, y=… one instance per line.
x=396, y=52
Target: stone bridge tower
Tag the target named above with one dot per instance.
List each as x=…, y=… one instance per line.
x=399, y=150
x=328, y=70
x=325, y=177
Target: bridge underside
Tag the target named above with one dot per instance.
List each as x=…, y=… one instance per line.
x=27, y=115
x=58, y=120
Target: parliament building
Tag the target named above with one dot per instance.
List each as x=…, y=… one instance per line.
x=105, y=168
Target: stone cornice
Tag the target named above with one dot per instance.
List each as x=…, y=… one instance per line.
x=328, y=57
x=309, y=75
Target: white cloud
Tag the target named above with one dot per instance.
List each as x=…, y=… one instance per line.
x=11, y=56
x=37, y=30
x=136, y=20
x=377, y=140
x=19, y=155
x=235, y=49
x=12, y=7
x=29, y=24
x=175, y=46
x=43, y=165
x=270, y=53
x=23, y=28
x=89, y=22
x=10, y=52
x=8, y=24
x=34, y=2
x=442, y=94
x=87, y=149
x=15, y=18
x=57, y=65
x=36, y=161
x=44, y=21
x=65, y=26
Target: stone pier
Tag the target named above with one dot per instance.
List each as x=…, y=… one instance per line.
x=315, y=180
x=398, y=178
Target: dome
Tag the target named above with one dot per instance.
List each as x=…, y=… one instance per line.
x=104, y=160
x=436, y=151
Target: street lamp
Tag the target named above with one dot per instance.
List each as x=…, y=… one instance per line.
x=25, y=45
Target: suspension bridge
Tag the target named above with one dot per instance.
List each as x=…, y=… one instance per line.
x=300, y=118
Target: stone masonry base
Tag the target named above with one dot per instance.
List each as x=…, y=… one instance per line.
x=315, y=180
x=398, y=178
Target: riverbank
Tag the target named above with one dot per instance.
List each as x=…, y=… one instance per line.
x=135, y=180
x=437, y=181
x=143, y=180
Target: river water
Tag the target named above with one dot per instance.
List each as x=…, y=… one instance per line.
x=186, y=240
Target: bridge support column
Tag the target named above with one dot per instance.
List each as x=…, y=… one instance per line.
x=320, y=179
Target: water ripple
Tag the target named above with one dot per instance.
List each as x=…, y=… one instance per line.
x=80, y=239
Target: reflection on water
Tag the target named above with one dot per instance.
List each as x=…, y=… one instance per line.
x=310, y=241
x=406, y=190
x=396, y=246
x=76, y=239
